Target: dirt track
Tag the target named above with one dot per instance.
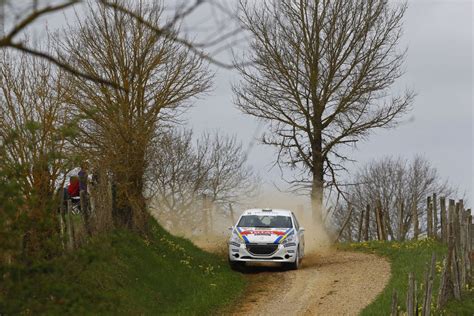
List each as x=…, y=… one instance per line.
x=333, y=283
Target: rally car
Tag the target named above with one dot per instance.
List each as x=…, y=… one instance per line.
x=266, y=235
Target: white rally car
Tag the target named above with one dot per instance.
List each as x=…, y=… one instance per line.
x=265, y=235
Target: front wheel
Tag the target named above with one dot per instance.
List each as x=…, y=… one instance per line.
x=236, y=265
x=296, y=264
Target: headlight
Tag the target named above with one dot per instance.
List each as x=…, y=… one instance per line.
x=290, y=238
x=234, y=238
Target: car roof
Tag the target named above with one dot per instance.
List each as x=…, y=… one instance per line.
x=267, y=211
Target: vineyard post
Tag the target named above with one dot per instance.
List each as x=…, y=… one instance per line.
x=429, y=217
x=367, y=223
x=435, y=216
x=443, y=219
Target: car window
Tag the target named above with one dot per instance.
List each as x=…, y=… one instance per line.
x=297, y=225
x=267, y=221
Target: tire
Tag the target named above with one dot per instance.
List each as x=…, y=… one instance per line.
x=236, y=265
x=294, y=265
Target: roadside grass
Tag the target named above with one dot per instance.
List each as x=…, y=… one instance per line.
x=123, y=273
x=406, y=257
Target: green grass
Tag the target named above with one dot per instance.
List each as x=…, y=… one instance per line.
x=406, y=257
x=122, y=273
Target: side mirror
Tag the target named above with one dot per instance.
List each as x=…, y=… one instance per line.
x=302, y=229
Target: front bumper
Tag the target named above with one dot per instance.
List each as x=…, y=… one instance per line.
x=283, y=253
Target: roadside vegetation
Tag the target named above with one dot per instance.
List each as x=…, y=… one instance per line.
x=123, y=273
x=405, y=257
x=106, y=94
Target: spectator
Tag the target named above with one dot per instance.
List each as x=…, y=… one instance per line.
x=74, y=187
x=83, y=178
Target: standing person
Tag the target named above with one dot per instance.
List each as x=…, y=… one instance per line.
x=83, y=178
x=73, y=188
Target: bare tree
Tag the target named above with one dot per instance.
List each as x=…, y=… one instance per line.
x=183, y=174
x=159, y=75
x=400, y=188
x=35, y=133
x=320, y=78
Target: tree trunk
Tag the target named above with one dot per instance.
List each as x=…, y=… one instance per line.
x=416, y=226
x=367, y=223
x=317, y=199
x=129, y=203
x=318, y=175
x=361, y=221
x=401, y=214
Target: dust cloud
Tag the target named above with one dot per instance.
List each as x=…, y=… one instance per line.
x=319, y=234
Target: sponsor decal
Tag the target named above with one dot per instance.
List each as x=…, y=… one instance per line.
x=286, y=234
x=262, y=232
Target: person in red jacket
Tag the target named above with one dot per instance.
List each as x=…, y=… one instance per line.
x=73, y=189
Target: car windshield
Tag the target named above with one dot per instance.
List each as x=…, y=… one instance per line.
x=266, y=221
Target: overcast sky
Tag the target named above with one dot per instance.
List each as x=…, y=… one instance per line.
x=439, y=67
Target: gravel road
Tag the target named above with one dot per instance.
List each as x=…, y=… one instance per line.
x=329, y=283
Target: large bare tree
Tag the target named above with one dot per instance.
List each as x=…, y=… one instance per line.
x=320, y=77
x=159, y=77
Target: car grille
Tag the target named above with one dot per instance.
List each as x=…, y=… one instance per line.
x=262, y=249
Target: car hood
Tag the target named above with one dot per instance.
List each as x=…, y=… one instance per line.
x=264, y=235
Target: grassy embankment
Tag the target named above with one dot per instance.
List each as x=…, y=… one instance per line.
x=406, y=257
x=122, y=273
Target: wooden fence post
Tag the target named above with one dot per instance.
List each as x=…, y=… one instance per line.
x=429, y=278
x=443, y=283
x=457, y=225
x=394, y=303
x=456, y=275
x=443, y=220
x=70, y=229
x=462, y=245
x=380, y=222
x=453, y=244
x=361, y=222
x=85, y=211
x=411, y=295
x=429, y=217
x=469, y=250
x=367, y=223
x=416, y=225
x=415, y=305
x=61, y=219
x=447, y=286
x=434, y=203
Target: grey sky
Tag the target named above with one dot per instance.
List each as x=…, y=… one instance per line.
x=439, y=67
